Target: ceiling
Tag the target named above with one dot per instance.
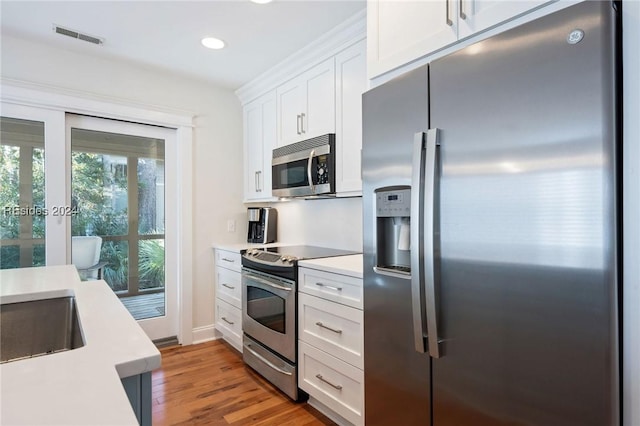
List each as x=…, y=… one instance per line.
x=167, y=34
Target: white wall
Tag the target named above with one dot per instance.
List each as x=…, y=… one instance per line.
x=335, y=223
x=631, y=221
x=217, y=149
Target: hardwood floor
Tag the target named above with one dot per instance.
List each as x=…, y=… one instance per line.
x=208, y=384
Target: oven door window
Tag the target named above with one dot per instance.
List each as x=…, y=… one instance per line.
x=291, y=175
x=266, y=308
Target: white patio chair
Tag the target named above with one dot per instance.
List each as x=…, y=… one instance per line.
x=85, y=255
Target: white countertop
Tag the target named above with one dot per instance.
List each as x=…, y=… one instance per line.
x=80, y=386
x=344, y=265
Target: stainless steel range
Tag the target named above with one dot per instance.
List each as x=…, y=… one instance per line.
x=269, y=311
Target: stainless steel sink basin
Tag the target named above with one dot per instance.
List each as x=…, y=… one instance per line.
x=38, y=327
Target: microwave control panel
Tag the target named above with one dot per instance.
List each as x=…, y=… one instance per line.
x=322, y=170
x=393, y=203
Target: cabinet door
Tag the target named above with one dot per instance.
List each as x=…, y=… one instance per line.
x=320, y=113
x=400, y=31
x=259, y=136
x=478, y=15
x=291, y=99
x=351, y=83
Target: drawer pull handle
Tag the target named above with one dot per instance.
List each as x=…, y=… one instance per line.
x=319, y=324
x=322, y=379
x=228, y=286
x=227, y=321
x=228, y=260
x=329, y=286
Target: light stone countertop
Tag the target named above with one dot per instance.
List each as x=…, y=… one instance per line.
x=345, y=265
x=80, y=386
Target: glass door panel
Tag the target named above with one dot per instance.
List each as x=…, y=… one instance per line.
x=117, y=183
x=22, y=180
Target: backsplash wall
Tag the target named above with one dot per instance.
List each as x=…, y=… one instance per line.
x=335, y=223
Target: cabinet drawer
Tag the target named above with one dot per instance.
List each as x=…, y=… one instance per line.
x=334, y=328
x=228, y=286
x=228, y=259
x=229, y=323
x=334, y=383
x=334, y=287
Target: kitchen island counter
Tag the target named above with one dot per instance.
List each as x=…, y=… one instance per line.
x=81, y=386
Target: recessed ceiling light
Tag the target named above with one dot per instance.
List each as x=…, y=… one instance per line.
x=261, y=1
x=212, y=43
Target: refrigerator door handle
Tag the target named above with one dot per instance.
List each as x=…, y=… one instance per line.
x=417, y=195
x=428, y=240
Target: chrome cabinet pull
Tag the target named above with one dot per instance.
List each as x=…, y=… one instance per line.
x=227, y=321
x=449, y=21
x=302, y=123
x=228, y=260
x=462, y=14
x=259, y=188
x=322, y=379
x=319, y=324
x=255, y=181
x=228, y=286
x=329, y=286
x=298, y=124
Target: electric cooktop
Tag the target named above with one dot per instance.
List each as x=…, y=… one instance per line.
x=277, y=260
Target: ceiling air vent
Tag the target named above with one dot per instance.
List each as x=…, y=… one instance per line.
x=78, y=35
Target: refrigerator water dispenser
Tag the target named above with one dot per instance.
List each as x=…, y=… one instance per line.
x=393, y=224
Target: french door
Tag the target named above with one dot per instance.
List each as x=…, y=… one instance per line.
x=66, y=177
x=122, y=190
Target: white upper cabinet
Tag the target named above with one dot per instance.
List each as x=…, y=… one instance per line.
x=351, y=83
x=400, y=31
x=306, y=104
x=478, y=15
x=259, y=141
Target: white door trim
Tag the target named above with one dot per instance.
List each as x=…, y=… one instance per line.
x=16, y=94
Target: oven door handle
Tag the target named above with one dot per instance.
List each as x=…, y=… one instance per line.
x=247, y=346
x=265, y=282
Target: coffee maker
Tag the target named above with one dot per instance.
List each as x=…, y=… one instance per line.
x=262, y=225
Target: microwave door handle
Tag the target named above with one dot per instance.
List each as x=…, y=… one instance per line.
x=309, y=163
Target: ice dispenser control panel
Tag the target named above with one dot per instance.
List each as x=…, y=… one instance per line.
x=393, y=203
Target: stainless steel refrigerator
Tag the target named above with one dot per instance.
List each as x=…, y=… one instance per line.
x=491, y=231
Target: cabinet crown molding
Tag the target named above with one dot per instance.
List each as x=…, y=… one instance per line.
x=335, y=40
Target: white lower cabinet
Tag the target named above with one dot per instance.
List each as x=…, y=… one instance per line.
x=229, y=323
x=335, y=383
x=331, y=342
x=228, y=302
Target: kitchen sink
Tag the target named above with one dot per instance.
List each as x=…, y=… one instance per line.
x=39, y=327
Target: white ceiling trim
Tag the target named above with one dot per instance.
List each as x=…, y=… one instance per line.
x=339, y=38
x=58, y=99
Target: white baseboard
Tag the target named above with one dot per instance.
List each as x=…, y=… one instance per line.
x=205, y=334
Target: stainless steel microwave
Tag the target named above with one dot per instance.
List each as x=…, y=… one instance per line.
x=305, y=169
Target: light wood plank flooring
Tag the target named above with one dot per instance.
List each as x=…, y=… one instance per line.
x=208, y=384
